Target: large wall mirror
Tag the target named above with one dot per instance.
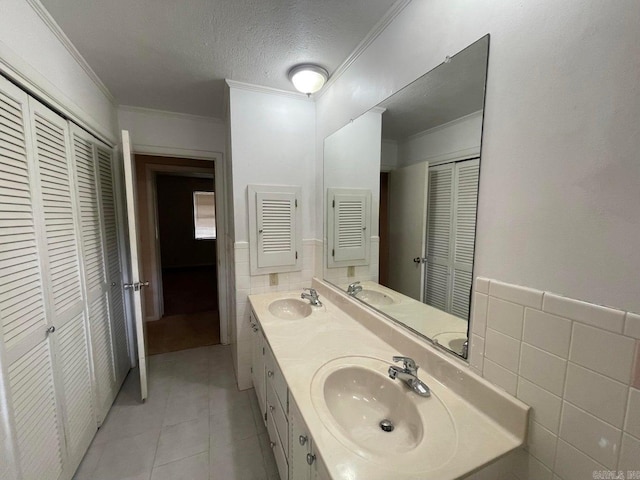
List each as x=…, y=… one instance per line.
x=401, y=192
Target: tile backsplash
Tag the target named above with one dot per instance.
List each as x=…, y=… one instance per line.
x=576, y=364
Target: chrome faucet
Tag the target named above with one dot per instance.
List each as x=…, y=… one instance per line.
x=312, y=296
x=409, y=375
x=354, y=289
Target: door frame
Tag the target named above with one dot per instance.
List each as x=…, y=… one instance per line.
x=221, y=220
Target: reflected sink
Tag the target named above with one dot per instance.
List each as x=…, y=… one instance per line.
x=452, y=340
x=353, y=395
x=374, y=297
x=290, y=309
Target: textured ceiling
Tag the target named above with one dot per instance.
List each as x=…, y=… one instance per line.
x=449, y=91
x=175, y=54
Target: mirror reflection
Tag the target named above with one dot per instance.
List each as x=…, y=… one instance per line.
x=401, y=188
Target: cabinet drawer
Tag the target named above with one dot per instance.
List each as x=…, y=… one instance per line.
x=278, y=450
x=275, y=377
x=275, y=411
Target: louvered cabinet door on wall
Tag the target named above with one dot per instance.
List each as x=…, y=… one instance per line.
x=61, y=243
x=105, y=160
x=95, y=285
x=30, y=385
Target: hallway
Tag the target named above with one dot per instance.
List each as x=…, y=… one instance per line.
x=195, y=425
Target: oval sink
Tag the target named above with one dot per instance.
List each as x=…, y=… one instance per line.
x=290, y=309
x=356, y=400
x=374, y=297
x=454, y=341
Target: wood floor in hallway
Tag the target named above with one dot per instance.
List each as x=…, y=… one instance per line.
x=184, y=331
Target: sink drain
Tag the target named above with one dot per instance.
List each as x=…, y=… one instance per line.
x=386, y=425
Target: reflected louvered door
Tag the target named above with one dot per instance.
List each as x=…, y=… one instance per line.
x=95, y=280
x=61, y=240
x=439, y=237
x=350, y=221
x=27, y=346
x=276, y=229
x=106, y=174
x=467, y=175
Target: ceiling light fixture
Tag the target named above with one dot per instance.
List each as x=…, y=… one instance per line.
x=308, y=78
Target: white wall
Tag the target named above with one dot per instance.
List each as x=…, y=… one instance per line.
x=34, y=52
x=273, y=141
x=559, y=196
x=169, y=133
x=353, y=157
x=450, y=141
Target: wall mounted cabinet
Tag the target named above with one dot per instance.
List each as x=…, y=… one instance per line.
x=63, y=346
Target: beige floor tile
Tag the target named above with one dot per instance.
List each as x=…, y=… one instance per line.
x=129, y=458
x=183, y=440
x=195, y=467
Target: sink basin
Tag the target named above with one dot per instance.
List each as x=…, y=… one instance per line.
x=452, y=340
x=290, y=309
x=354, y=395
x=374, y=297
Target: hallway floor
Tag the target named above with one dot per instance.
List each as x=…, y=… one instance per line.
x=195, y=425
x=183, y=331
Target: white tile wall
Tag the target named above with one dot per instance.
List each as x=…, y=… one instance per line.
x=576, y=364
x=246, y=284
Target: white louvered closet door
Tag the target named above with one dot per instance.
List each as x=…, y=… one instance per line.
x=439, y=236
x=60, y=240
x=95, y=278
x=26, y=347
x=467, y=175
x=108, y=206
x=451, y=231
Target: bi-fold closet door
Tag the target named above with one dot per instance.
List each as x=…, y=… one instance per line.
x=59, y=351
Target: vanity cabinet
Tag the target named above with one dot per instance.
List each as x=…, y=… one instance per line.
x=288, y=435
x=304, y=463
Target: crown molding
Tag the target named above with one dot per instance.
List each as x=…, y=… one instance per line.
x=374, y=33
x=73, y=51
x=268, y=90
x=442, y=126
x=166, y=113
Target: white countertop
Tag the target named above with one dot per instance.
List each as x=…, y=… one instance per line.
x=302, y=346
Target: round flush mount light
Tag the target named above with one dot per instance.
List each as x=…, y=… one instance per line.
x=308, y=78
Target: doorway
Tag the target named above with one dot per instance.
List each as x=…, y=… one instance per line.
x=179, y=252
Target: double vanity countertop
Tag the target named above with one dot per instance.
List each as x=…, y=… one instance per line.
x=465, y=424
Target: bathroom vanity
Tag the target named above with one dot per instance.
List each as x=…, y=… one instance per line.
x=332, y=411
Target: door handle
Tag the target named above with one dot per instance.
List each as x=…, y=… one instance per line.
x=137, y=286
x=420, y=260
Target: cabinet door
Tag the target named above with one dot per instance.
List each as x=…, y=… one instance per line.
x=299, y=445
x=65, y=302
x=93, y=262
x=105, y=160
x=258, y=366
x=26, y=347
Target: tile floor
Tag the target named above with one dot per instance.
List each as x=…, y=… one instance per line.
x=195, y=425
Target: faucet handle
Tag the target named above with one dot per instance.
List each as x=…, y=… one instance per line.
x=312, y=291
x=409, y=363
x=354, y=283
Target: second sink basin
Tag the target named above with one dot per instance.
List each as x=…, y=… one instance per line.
x=290, y=309
x=357, y=402
x=374, y=297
